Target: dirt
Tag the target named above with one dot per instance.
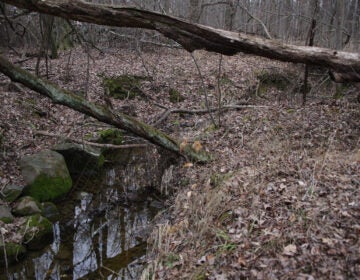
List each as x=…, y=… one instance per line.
x=281, y=198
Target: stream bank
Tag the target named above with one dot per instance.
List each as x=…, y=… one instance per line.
x=104, y=220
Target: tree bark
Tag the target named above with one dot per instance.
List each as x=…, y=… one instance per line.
x=195, y=36
x=78, y=103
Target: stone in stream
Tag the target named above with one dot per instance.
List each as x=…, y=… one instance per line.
x=38, y=232
x=46, y=176
x=5, y=214
x=27, y=206
x=50, y=211
x=11, y=192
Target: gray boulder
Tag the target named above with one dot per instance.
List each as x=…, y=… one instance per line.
x=46, y=175
x=11, y=192
x=5, y=214
x=27, y=206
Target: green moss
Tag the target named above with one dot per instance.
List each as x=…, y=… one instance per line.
x=200, y=274
x=175, y=96
x=271, y=80
x=171, y=260
x=217, y=179
x=38, y=232
x=110, y=136
x=226, y=218
x=46, y=188
x=101, y=160
x=211, y=128
x=224, y=80
x=6, y=220
x=14, y=252
x=124, y=86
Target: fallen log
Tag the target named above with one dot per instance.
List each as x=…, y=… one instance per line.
x=103, y=114
x=195, y=36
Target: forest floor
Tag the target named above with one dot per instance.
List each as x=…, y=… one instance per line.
x=281, y=198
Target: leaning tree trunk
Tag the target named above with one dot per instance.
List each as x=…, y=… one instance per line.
x=195, y=36
x=103, y=114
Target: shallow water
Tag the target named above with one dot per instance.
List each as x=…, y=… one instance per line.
x=100, y=234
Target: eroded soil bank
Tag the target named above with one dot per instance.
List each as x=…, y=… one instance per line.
x=280, y=199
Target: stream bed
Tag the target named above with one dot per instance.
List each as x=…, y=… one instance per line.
x=102, y=231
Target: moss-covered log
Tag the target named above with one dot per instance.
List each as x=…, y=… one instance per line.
x=78, y=103
x=195, y=36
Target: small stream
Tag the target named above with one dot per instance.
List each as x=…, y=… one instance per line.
x=102, y=230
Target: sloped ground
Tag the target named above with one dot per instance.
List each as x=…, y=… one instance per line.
x=281, y=198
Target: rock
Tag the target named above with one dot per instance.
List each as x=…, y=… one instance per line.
x=5, y=214
x=14, y=252
x=80, y=159
x=11, y=192
x=46, y=175
x=27, y=206
x=50, y=211
x=38, y=232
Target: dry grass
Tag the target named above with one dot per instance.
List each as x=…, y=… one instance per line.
x=290, y=209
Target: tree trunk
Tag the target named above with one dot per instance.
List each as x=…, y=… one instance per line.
x=103, y=114
x=195, y=36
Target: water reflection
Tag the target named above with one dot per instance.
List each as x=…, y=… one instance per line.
x=101, y=242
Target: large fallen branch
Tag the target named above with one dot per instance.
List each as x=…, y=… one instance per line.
x=195, y=36
x=103, y=114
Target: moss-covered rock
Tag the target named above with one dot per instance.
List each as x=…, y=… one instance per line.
x=27, y=206
x=11, y=192
x=38, y=232
x=46, y=175
x=175, y=96
x=110, y=136
x=124, y=86
x=50, y=211
x=11, y=253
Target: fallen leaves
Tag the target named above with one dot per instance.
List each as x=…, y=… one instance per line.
x=290, y=250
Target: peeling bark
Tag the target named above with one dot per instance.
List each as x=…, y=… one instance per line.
x=103, y=114
x=195, y=36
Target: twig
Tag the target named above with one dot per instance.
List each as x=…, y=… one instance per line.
x=166, y=114
x=5, y=255
x=110, y=270
x=125, y=146
x=204, y=88
x=219, y=90
x=171, y=46
x=256, y=19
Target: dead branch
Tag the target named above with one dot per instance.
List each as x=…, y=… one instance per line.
x=78, y=103
x=224, y=108
x=195, y=36
x=81, y=141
